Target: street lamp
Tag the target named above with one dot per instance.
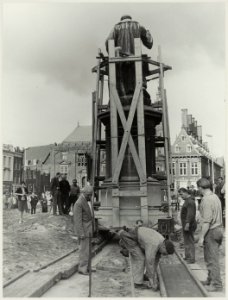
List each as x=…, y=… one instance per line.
x=212, y=160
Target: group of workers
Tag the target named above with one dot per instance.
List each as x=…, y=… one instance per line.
x=145, y=245
x=211, y=235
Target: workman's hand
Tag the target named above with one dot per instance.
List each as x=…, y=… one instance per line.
x=186, y=228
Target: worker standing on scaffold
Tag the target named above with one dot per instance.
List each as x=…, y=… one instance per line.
x=123, y=35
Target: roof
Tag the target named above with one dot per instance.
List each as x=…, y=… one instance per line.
x=39, y=152
x=197, y=148
x=182, y=144
x=80, y=134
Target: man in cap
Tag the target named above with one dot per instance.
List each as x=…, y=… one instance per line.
x=83, y=226
x=123, y=34
x=145, y=246
x=188, y=221
x=211, y=235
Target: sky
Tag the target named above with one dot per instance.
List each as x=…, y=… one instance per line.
x=49, y=49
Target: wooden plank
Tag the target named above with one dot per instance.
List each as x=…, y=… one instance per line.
x=127, y=129
x=144, y=205
x=130, y=193
x=131, y=144
x=124, y=59
x=113, y=111
x=115, y=208
x=140, y=110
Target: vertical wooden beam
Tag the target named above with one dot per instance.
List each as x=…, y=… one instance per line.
x=165, y=127
x=140, y=108
x=113, y=111
x=169, y=142
x=144, y=205
x=141, y=132
x=115, y=208
x=114, y=132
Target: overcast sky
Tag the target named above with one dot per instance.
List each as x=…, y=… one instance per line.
x=49, y=49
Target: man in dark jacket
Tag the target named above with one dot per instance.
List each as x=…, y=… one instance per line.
x=83, y=226
x=74, y=193
x=56, y=194
x=64, y=187
x=218, y=190
x=123, y=35
x=188, y=220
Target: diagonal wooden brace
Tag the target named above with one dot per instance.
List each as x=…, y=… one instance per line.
x=127, y=138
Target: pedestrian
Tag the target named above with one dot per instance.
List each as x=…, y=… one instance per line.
x=33, y=202
x=56, y=194
x=83, y=226
x=22, y=193
x=146, y=246
x=211, y=234
x=44, y=203
x=5, y=201
x=123, y=35
x=218, y=191
x=64, y=187
x=74, y=193
x=189, y=225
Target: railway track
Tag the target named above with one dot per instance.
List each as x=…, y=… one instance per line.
x=176, y=278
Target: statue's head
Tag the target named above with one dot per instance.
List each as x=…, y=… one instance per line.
x=125, y=17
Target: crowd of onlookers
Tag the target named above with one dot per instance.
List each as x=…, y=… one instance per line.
x=62, y=196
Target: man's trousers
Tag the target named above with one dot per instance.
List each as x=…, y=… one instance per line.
x=212, y=241
x=189, y=245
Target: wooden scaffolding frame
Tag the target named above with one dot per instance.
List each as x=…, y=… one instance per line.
x=117, y=111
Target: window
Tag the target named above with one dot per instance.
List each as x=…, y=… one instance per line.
x=82, y=160
x=4, y=161
x=174, y=167
x=189, y=148
x=64, y=154
x=177, y=149
x=182, y=137
x=64, y=169
x=183, y=168
x=194, y=168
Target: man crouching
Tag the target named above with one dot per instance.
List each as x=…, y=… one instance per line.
x=145, y=246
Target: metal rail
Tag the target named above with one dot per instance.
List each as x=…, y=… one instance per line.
x=34, y=283
x=177, y=280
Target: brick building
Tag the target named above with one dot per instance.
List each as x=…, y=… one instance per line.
x=12, y=164
x=71, y=157
x=191, y=158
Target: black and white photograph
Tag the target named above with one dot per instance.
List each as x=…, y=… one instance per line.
x=113, y=149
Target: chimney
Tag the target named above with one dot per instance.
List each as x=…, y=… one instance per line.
x=184, y=118
x=199, y=133
x=192, y=126
x=189, y=122
x=195, y=129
